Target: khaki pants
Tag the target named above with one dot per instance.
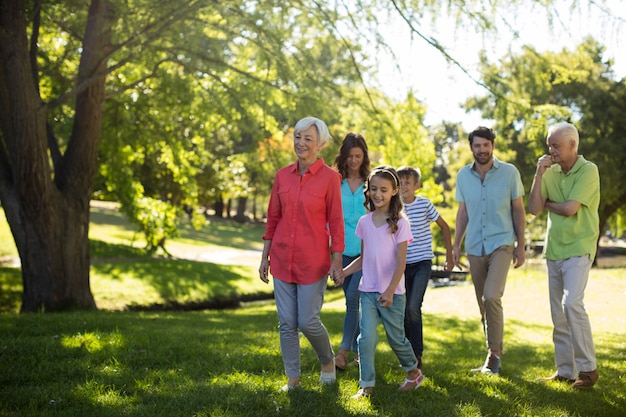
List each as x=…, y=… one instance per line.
x=489, y=277
x=573, y=344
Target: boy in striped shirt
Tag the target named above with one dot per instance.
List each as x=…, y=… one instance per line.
x=421, y=213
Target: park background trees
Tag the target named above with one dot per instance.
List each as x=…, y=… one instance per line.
x=169, y=106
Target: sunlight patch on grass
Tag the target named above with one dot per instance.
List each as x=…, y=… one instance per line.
x=161, y=281
x=107, y=395
x=468, y=410
x=91, y=341
x=108, y=292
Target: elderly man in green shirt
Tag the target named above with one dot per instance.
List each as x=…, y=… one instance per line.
x=568, y=186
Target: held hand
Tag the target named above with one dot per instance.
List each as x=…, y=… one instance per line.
x=337, y=276
x=263, y=270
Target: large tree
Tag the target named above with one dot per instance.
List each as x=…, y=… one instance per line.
x=45, y=192
x=165, y=95
x=63, y=63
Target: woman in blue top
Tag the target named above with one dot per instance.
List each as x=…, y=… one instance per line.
x=353, y=163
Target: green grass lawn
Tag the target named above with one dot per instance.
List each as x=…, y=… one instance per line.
x=227, y=362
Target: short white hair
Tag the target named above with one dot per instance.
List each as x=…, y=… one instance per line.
x=323, y=134
x=565, y=130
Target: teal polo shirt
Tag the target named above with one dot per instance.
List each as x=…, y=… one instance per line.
x=488, y=203
x=353, y=209
x=575, y=235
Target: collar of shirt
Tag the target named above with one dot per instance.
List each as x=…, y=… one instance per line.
x=496, y=165
x=580, y=161
x=319, y=163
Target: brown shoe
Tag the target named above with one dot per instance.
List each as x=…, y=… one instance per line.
x=586, y=379
x=558, y=378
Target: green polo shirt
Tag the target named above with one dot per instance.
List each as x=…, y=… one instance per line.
x=575, y=235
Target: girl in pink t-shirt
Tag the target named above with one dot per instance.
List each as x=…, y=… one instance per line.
x=384, y=233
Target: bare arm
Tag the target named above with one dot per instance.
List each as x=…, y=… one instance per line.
x=536, y=202
x=461, y=227
x=447, y=239
x=519, y=222
x=351, y=268
x=386, y=298
x=566, y=208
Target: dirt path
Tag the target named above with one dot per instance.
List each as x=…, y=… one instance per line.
x=222, y=256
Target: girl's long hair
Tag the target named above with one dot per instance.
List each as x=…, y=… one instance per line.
x=395, y=205
x=352, y=140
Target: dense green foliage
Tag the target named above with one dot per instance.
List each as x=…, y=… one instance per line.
x=201, y=95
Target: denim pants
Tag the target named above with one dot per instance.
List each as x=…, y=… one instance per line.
x=573, y=344
x=393, y=319
x=299, y=307
x=351, y=319
x=416, y=277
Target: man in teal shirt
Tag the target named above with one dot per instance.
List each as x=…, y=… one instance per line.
x=568, y=186
x=491, y=211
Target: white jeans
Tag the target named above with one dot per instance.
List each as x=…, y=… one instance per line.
x=573, y=344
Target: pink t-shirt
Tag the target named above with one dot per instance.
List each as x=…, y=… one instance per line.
x=379, y=253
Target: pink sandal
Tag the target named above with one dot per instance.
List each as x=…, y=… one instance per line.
x=408, y=383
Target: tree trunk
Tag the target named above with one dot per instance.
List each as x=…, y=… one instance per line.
x=55, y=264
x=229, y=207
x=46, y=195
x=219, y=207
x=240, y=217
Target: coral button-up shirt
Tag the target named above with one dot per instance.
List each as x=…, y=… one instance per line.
x=304, y=223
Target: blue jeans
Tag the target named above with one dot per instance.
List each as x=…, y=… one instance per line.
x=416, y=277
x=351, y=319
x=392, y=318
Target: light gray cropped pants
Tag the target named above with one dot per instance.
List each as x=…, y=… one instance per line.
x=299, y=307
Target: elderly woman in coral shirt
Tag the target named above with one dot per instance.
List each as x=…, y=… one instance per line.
x=304, y=241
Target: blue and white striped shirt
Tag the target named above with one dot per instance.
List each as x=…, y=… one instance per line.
x=421, y=213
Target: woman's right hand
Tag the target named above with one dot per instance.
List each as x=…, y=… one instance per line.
x=264, y=270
